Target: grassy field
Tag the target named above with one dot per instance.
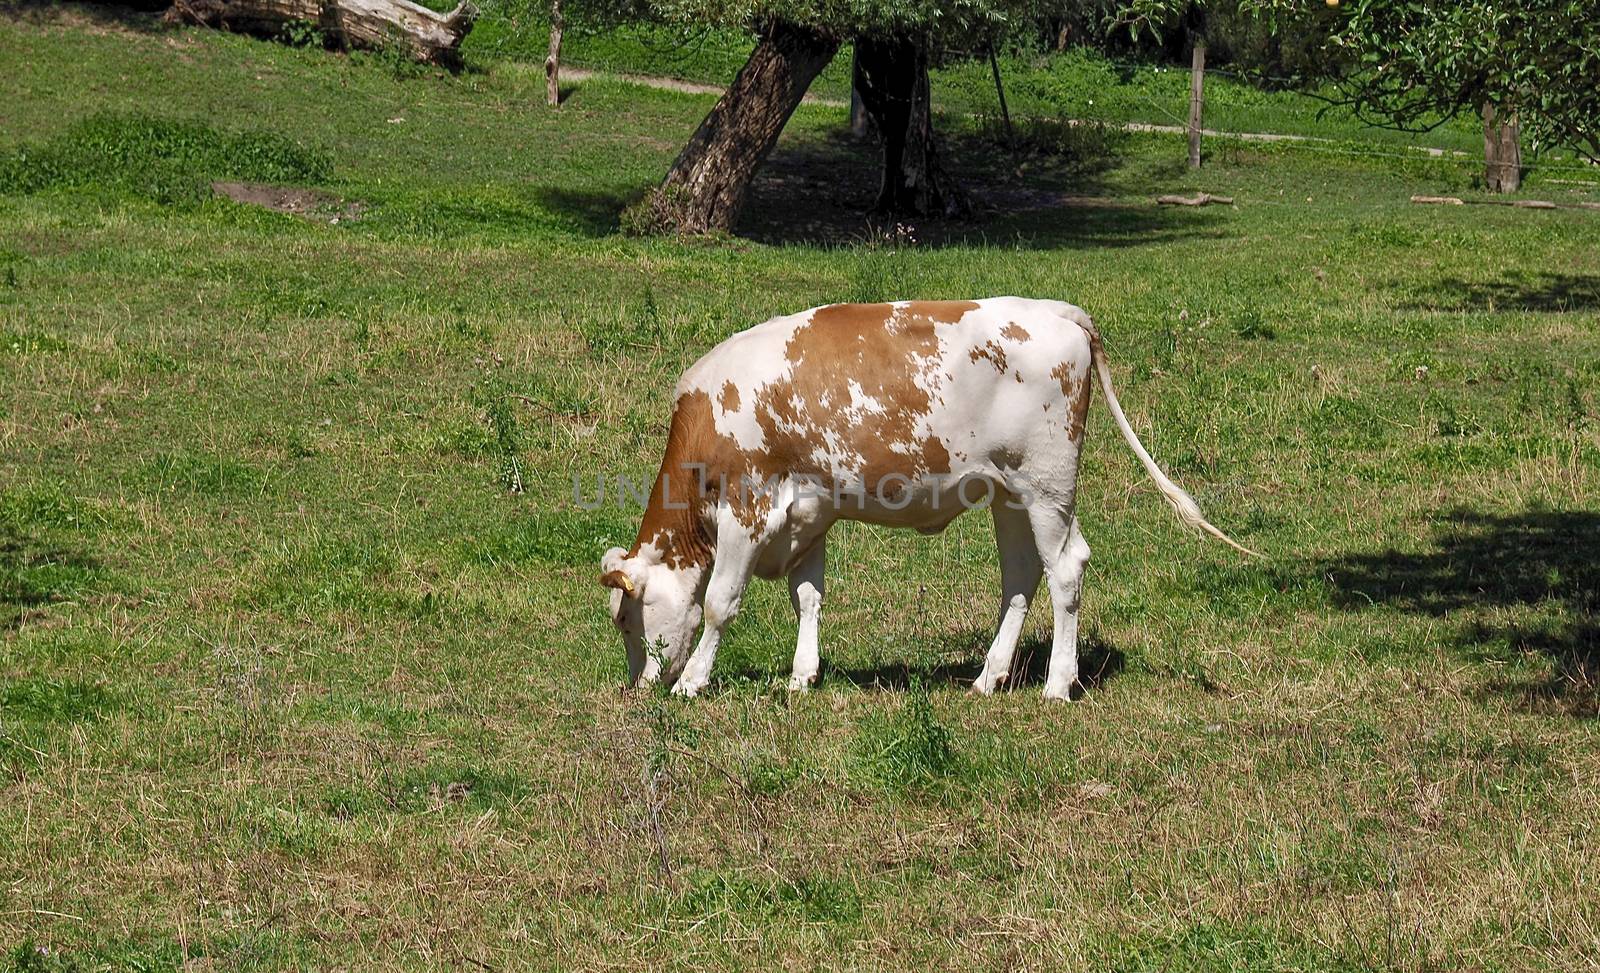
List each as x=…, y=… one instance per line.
x=290, y=679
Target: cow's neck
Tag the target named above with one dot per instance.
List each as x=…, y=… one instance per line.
x=674, y=523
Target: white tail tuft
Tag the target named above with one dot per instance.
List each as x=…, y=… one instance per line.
x=1188, y=511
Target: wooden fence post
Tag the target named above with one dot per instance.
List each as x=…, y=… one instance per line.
x=1005, y=113
x=1197, y=75
x=552, y=63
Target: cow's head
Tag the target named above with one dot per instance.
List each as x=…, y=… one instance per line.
x=657, y=609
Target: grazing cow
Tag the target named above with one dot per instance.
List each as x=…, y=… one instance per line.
x=901, y=414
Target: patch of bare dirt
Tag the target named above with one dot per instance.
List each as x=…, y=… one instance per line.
x=312, y=204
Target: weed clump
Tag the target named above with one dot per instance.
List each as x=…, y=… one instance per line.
x=505, y=438
x=909, y=747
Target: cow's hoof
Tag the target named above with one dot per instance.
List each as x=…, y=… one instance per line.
x=1062, y=694
x=800, y=684
x=985, y=684
x=687, y=689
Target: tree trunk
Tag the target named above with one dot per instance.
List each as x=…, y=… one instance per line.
x=706, y=187
x=1502, y=150
x=860, y=121
x=892, y=76
x=552, y=62
x=1197, y=100
x=427, y=35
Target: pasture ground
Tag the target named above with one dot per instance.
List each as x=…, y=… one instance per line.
x=289, y=678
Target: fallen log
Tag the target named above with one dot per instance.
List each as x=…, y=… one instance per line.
x=1204, y=199
x=423, y=33
x=1519, y=203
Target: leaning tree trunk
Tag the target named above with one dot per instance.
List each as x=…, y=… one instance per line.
x=892, y=76
x=1502, y=150
x=706, y=187
x=427, y=35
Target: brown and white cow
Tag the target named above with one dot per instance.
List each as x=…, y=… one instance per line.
x=902, y=414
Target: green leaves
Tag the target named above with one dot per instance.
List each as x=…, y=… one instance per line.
x=1411, y=65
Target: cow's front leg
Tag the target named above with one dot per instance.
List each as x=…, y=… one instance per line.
x=730, y=573
x=805, y=594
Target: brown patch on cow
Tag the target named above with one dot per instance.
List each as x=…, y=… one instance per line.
x=1015, y=332
x=1075, y=389
x=993, y=352
x=729, y=400
x=675, y=515
x=1018, y=377
x=881, y=349
x=942, y=312
x=1064, y=374
x=935, y=458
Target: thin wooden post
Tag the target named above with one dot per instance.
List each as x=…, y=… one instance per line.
x=1197, y=98
x=1000, y=89
x=552, y=63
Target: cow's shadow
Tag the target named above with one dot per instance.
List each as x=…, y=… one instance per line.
x=1516, y=583
x=958, y=658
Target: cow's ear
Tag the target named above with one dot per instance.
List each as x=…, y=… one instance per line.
x=619, y=579
x=614, y=575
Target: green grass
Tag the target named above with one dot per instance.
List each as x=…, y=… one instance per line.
x=290, y=678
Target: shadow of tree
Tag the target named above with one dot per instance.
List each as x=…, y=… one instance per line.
x=134, y=15
x=1545, y=563
x=33, y=575
x=820, y=190
x=594, y=212
x=1544, y=291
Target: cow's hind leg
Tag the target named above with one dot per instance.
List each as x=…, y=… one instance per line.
x=1065, y=554
x=805, y=593
x=1020, y=568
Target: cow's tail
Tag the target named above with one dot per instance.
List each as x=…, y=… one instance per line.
x=1188, y=511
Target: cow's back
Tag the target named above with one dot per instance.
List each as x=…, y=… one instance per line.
x=856, y=393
